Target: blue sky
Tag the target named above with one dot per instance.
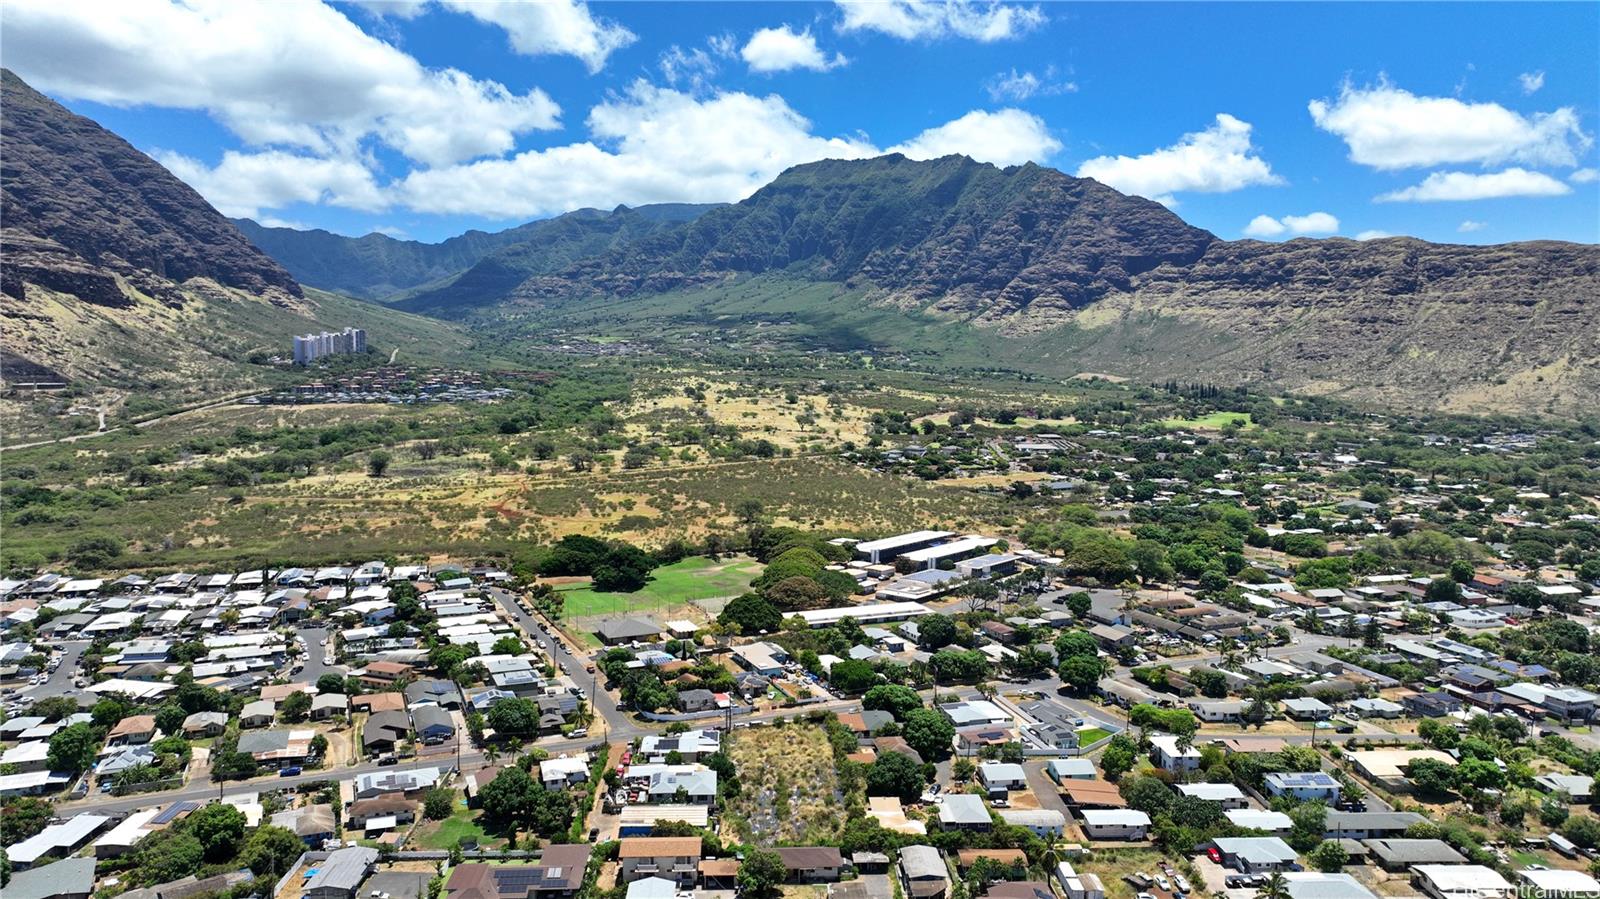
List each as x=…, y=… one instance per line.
x=1466, y=123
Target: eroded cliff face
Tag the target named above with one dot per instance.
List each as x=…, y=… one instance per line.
x=82, y=208
x=918, y=233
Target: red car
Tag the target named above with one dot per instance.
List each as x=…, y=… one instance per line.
x=1214, y=854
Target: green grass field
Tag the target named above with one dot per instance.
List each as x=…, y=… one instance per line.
x=441, y=835
x=681, y=582
x=1213, y=422
x=1089, y=735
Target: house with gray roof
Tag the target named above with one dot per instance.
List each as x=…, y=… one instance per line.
x=964, y=811
x=1401, y=854
x=628, y=629
x=341, y=874
x=71, y=878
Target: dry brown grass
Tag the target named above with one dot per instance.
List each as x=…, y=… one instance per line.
x=790, y=787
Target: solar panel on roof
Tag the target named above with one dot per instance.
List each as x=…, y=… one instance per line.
x=166, y=815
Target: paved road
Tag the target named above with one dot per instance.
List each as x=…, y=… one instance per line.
x=617, y=724
x=61, y=679
x=310, y=638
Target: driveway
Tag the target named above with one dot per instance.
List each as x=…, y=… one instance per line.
x=878, y=886
x=1044, y=789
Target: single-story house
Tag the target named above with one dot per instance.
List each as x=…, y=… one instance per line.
x=1251, y=855
x=1115, y=824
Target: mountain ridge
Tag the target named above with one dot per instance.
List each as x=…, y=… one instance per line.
x=377, y=266
x=121, y=281
x=62, y=173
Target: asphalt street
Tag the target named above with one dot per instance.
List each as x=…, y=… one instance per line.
x=61, y=679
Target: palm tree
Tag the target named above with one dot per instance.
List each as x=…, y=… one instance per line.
x=1275, y=887
x=1051, y=854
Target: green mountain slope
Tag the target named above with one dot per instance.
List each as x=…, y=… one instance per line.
x=546, y=246
x=380, y=267
x=918, y=232
x=119, y=281
x=956, y=262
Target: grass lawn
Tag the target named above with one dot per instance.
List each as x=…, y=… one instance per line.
x=681, y=582
x=441, y=835
x=1525, y=858
x=1213, y=422
x=1090, y=734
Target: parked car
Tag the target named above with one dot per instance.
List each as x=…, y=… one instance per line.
x=290, y=771
x=388, y=760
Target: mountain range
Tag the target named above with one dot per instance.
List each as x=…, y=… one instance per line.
x=118, y=279
x=458, y=271
x=1024, y=266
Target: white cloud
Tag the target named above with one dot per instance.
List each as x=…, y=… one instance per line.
x=390, y=231
x=929, y=19
x=1265, y=226
x=294, y=73
x=1004, y=137
x=1446, y=186
x=1373, y=234
x=549, y=27
x=1469, y=226
x=694, y=68
x=395, y=9
x=243, y=184
x=653, y=144
x=1584, y=176
x=781, y=49
x=1531, y=81
x=1216, y=160
x=272, y=221
x=1312, y=223
x=1389, y=128
x=1018, y=86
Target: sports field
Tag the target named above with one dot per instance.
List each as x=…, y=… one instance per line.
x=682, y=582
x=1216, y=421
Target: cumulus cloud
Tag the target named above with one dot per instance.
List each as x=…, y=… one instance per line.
x=931, y=19
x=1450, y=186
x=1373, y=234
x=1004, y=137
x=1216, y=160
x=781, y=49
x=243, y=184
x=294, y=73
x=1386, y=127
x=652, y=144
x=1531, y=81
x=550, y=27
x=396, y=9
x=1584, y=176
x=1017, y=86
x=1265, y=226
x=1469, y=226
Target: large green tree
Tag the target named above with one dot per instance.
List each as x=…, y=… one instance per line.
x=220, y=829
x=761, y=873
x=895, y=699
x=73, y=748
x=928, y=732
x=895, y=774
